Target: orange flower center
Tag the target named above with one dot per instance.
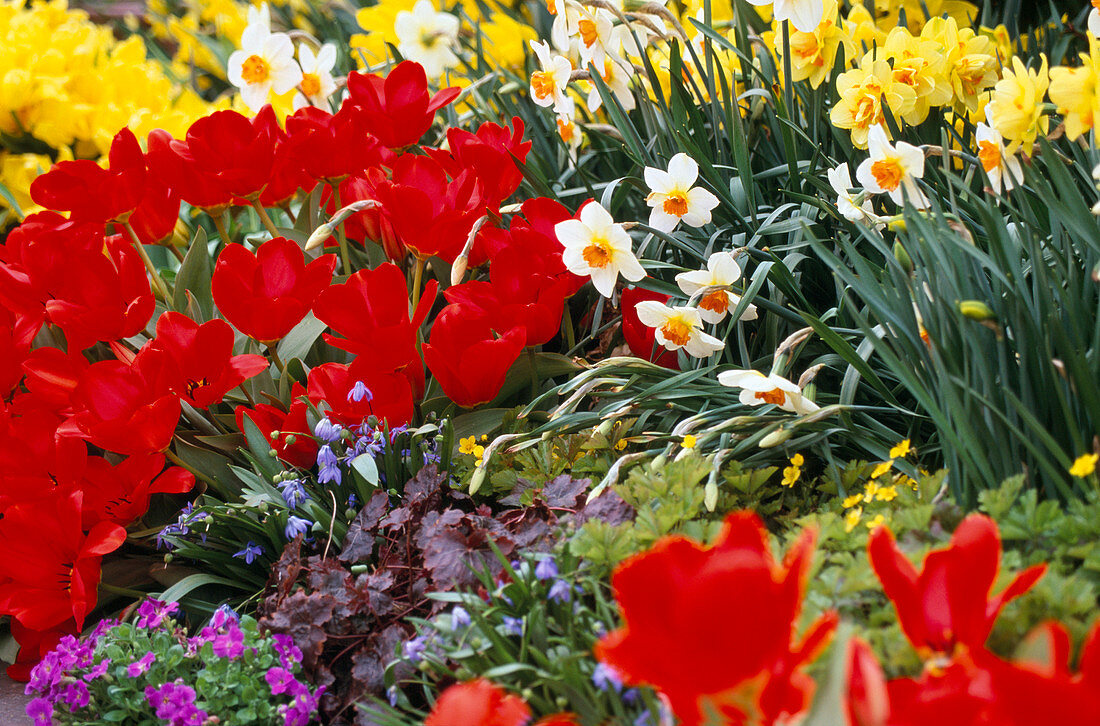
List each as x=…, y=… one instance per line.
x=888, y=173
x=255, y=69
x=1096, y=4
x=676, y=204
x=676, y=331
x=716, y=301
x=542, y=84
x=566, y=130
x=311, y=84
x=598, y=253
x=990, y=155
x=552, y=7
x=776, y=396
x=587, y=30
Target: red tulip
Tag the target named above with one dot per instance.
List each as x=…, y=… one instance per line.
x=371, y=312
x=425, y=211
x=34, y=645
x=467, y=358
x=36, y=253
x=101, y=297
x=121, y=410
x=52, y=376
x=510, y=301
x=171, y=160
x=51, y=566
x=492, y=154
x=92, y=193
x=287, y=174
x=33, y=458
x=196, y=362
x=266, y=294
x=331, y=147
x=364, y=225
x=722, y=619
x=398, y=108
x=17, y=332
x=155, y=218
x=120, y=493
x=478, y=703
x=269, y=419
x=640, y=338
x=533, y=233
x=947, y=604
x=389, y=397
x=235, y=152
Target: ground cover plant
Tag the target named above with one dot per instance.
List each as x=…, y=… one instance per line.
x=479, y=351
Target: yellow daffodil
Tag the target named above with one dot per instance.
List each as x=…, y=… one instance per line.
x=1017, y=106
x=1084, y=465
x=887, y=494
x=1075, y=92
x=918, y=64
x=970, y=60
x=862, y=91
x=814, y=52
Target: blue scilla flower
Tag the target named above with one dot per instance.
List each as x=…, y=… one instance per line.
x=546, y=569
x=329, y=465
x=605, y=677
x=513, y=626
x=326, y=430
x=359, y=392
x=293, y=492
x=296, y=526
x=250, y=552
x=459, y=618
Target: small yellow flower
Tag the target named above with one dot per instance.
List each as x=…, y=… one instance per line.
x=797, y=460
x=901, y=450
x=887, y=494
x=466, y=445
x=620, y=444
x=875, y=523
x=851, y=501
x=1084, y=466
x=479, y=451
x=485, y=437
x=882, y=469
x=870, y=491
x=851, y=519
x=688, y=442
x=790, y=475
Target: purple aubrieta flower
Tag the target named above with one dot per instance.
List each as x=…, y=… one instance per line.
x=151, y=613
x=605, y=677
x=250, y=552
x=175, y=703
x=41, y=710
x=76, y=695
x=289, y=653
x=293, y=492
x=223, y=616
x=98, y=670
x=279, y=679
x=546, y=569
x=326, y=430
x=299, y=710
x=140, y=666
x=459, y=618
x=359, y=392
x=513, y=626
x=229, y=644
x=296, y=526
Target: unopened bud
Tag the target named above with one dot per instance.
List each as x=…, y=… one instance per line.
x=775, y=438
x=897, y=224
x=903, y=257
x=976, y=310
x=359, y=569
x=658, y=462
x=319, y=235
x=478, y=478
x=290, y=439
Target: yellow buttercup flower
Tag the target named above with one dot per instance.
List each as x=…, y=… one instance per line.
x=882, y=469
x=688, y=442
x=1017, y=106
x=887, y=494
x=900, y=450
x=876, y=522
x=467, y=445
x=1084, y=465
x=1075, y=92
x=852, y=501
x=851, y=519
x=792, y=473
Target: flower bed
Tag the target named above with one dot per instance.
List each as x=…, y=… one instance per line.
x=479, y=354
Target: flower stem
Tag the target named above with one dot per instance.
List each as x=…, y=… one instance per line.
x=265, y=218
x=534, y=375
x=341, y=235
x=221, y=221
x=567, y=324
x=271, y=348
x=159, y=288
x=181, y=463
x=418, y=278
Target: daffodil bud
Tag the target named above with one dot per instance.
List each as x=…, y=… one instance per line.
x=896, y=224
x=658, y=463
x=319, y=235
x=775, y=438
x=976, y=310
x=903, y=257
x=478, y=478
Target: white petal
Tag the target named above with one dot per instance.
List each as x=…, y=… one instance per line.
x=307, y=59
x=806, y=15
x=326, y=58
x=572, y=233
x=724, y=268
x=285, y=78
x=702, y=345
x=657, y=180
x=735, y=379
x=866, y=178
x=630, y=268
x=254, y=95
x=595, y=217
x=683, y=170
x=661, y=220
x=694, y=280
x=912, y=159
x=234, y=67
x=747, y=397
x=573, y=259
x=603, y=279
x=652, y=313
x=278, y=49
x=878, y=145
x=699, y=199
x=253, y=38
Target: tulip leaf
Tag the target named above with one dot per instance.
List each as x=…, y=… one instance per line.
x=365, y=467
x=828, y=705
x=546, y=365
x=194, y=276
x=191, y=582
x=301, y=338
x=260, y=448
x=475, y=423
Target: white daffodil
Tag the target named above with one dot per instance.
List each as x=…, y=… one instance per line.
x=722, y=271
x=567, y=13
x=549, y=82
x=598, y=247
x=596, y=33
x=892, y=169
x=570, y=134
x=846, y=203
x=265, y=62
x=673, y=197
x=1004, y=170
x=616, y=74
x=260, y=15
x=317, y=82
x=758, y=389
x=679, y=327
x=805, y=15
x=1094, y=21
x=427, y=37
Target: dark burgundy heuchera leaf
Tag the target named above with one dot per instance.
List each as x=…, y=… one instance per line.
x=609, y=507
x=303, y=617
x=369, y=662
x=359, y=541
x=427, y=483
x=564, y=491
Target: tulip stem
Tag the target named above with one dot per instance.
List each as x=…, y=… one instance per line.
x=176, y=252
x=265, y=218
x=159, y=288
x=221, y=221
x=341, y=235
x=534, y=374
x=418, y=278
x=271, y=348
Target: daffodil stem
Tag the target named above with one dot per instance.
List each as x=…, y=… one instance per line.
x=341, y=235
x=159, y=288
x=418, y=278
x=265, y=218
x=788, y=90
